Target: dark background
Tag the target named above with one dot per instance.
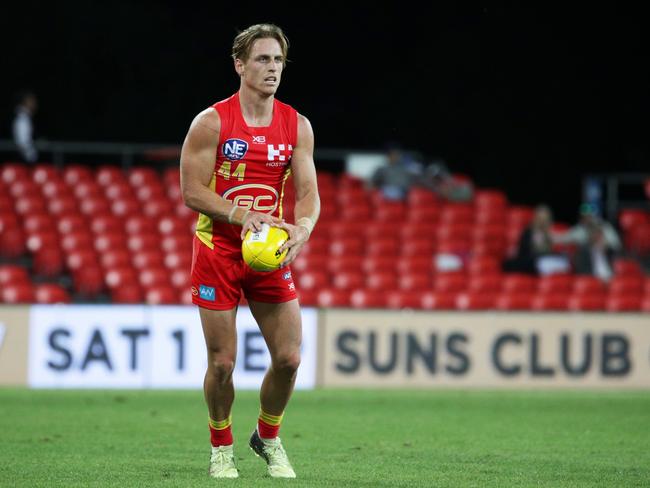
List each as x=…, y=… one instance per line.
x=527, y=99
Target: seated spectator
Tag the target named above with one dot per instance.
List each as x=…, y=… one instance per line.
x=597, y=242
x=534, y=243
x=442, y=182
x=396, y=178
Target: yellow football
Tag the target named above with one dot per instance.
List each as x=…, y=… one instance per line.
x=261, y=250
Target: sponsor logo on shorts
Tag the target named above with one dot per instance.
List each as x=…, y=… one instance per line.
x=292, y=286
x=234, y=149
x=287, y=275
x=207, y=293
x=195, y=292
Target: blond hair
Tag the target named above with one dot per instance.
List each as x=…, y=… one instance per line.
x=243, y=43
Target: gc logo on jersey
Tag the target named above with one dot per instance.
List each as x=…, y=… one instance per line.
x=253, y=196
x=234, y=149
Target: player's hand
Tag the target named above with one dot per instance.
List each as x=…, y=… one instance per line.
x=298, y=235
x=254, y=221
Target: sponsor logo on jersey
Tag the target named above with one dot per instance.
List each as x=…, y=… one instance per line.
x=207, y=293
x=280, y=153
x=195, y=292
x=253, y=196
x=259, y=139
x=287, y=275
x=234, y=149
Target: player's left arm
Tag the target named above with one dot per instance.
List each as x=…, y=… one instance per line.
x=307, y=208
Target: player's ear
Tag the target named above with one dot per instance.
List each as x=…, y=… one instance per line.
x=239, y=66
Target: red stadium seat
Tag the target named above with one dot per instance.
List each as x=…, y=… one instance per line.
x=64, y=205
x=514, y=301
x=645, y=304
x=585, y=285
x=88, y=190
x=485, y=283
x=475, y=301
x=110, y=174
x=156, y=207
x=161, y=295
x=93, y=206
x=416, y=230
x=627, y=267
x=12, y=242
x=151, y=277
x=417, y=247
x=415, y=264
x=378, y=263
x=77, y=241
x=148, y=259
x=180, y=259
x=308, y=298
x=452, y=231
x=555, y=284
x=421, y=197
x=381, y=280
x=420, y=281
x=383, y=246
x=356, y=212
x=173, y=225
x=144, y=242
x=73, y=223
x=115, y=258
x=119, y=190
x=480, y=265
x=453, y=282
x=401, y=299
x=309, y=280
x=107, y=224
x=346, y=246
x=44, y=172
x=12, y=172
x=130, y=293
x=181, y=279
x=316, y=246
x=74, y=174
x=333, y=298
x=335, y=264
x=340, y=230
x=624, y=303
x=364, y=298
x=142, y=175
x=55, y=189
x=138, y=224
x=48, y=262
x=40, y=240
x=626, y=285
x=520, y=283
x=490, y=199
x=37, y=223
x=34, y=204
x=587, y=302
x=12, y=273
x=457, y=213
x=519, y=216
x=424, y=215
x=390, y=211
x=25, y=188
x=438, y=300
x=88, y=280
x=489, y=216
x=352, y=197
x=17, y=293
x=460, y=247
x=631, y=218
x=550, y=302
x=51, y=293
x=76, y=260
x=118, y=277
x=125, y=207
x=152, y=191
x=375, y=230
x=348, y=280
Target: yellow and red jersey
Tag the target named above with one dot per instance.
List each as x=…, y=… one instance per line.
x=252, y=165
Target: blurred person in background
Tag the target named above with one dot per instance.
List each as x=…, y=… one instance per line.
x=441, y=181
x=597, y=243
x=534, y=244
x=23, y=126
x=235, y=160
x=397, y=177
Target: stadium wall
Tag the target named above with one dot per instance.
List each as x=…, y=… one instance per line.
x=83, y=346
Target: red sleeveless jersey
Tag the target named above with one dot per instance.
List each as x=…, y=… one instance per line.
x=251, y=168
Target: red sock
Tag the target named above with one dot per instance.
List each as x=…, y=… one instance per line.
x=268, y=425
x=221, y=432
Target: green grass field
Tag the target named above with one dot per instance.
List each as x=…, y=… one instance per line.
x=335, y=438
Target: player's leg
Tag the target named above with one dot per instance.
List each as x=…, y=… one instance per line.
x=221, y=343
x=281, y=327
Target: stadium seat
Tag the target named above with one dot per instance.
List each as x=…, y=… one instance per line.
x=152, y=191
x=519, y=216
x=376, y=230
x=356, y=212
x=75, y=174
x=33, y=224
x=333, y=298
x=25, y=189
x=390, y=212
x=82, y=258
x=438, y=300
x=308, y=298
x=378, y=263
x=514, y=301
x=624, y=303
x=475, y=301
x=515, y=282
x=55, y=189
x=424, y=215
x=485, y=283
x=180, y=259
x=626, y=285
x=12, y=172
x=12, y=274
x=30, y=204
x=550, y=302
x=585, y=285
x=12, y=241
x=181, y=279
x=490, y=199
x=631, y=218
x=365, y=298
x=346, y=246
x=40, y=240
x=453, y=231
x=457, y=214
x=452, y=282
x=481, y=265
x=381, y=280
x=108, y=174
x=416, y=230
x=72, y=223
x=44, y=172
x=555, y=284
x=95, y=205
x=348, y=280
x=139, y=224
x=88, y=190
x=142, y=175
x=335, y=264
x=48, y=262
x=310, y=280
x=144, y=242
x=50, y=293
x=383, y=246
x=64, y=205
x=119, y=190
x=417, y=247
x=161, y=295
x=77, y=241
x=489, y=216
x=156, y=207
x=415, y=264
x=590, y=302
x=400, y=299
x=340, y=230
x=316, y=247
x=645, y=304
x=125, y=207
x=173, y=225
x=460, y=247
x=16, y=293
x=142, y=260
x=127, y=294
x=415, y=282
x=88, y=280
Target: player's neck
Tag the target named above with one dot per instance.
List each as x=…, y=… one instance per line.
x=257, y=109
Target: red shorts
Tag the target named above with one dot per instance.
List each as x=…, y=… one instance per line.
x=218, y=281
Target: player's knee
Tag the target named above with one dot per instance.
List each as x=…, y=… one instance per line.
x=287, y=363
x=221, y=367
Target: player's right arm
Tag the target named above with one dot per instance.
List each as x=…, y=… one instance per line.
x=197, y=168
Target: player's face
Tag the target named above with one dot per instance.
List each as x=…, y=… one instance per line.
x=263, y=68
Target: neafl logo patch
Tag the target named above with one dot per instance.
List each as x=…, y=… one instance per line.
x=234, y=149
